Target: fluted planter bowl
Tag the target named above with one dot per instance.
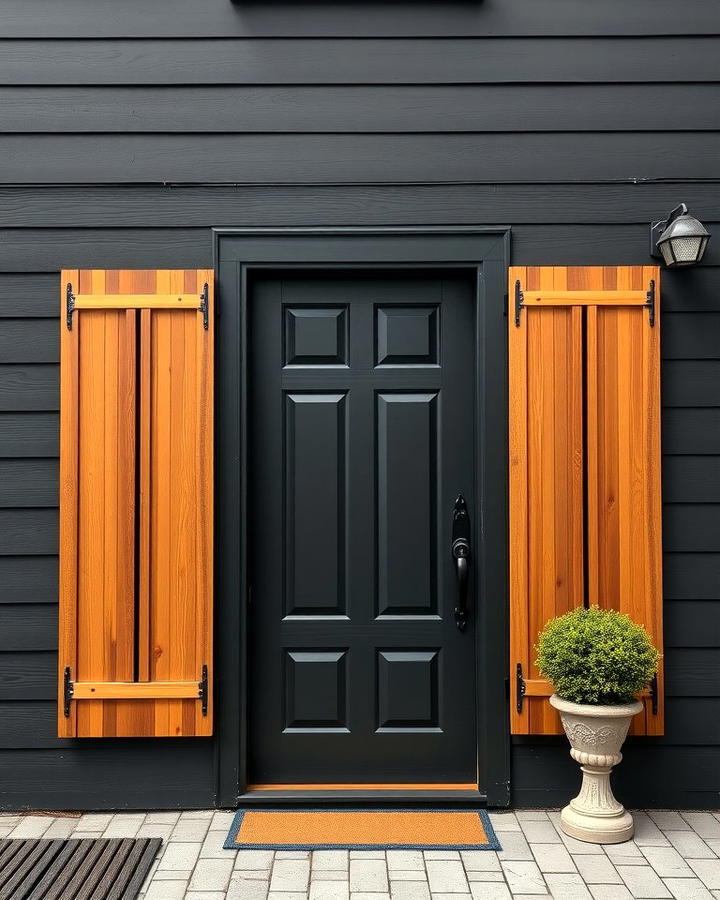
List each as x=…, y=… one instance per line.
x=596, y=734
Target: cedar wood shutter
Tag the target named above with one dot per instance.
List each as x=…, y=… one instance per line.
x=136, y=503
x=584, y=429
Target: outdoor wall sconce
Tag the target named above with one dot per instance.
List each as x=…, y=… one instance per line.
x=679, y=240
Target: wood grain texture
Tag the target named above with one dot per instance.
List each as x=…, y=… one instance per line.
x=258, y=61
x=136, y=388
x=358, y=158
x=623, y=486
x=546, y=459
x=28, y=435
x=185, y=206
x=575, y=484
x=28, y=532
x=28, y=482
x=360, y=109
x=36, y=344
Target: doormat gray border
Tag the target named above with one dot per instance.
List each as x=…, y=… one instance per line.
x=491, y=844
x=66, y=869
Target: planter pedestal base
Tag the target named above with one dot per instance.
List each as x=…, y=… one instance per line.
x=595, y=815
x=595, y=830
x=596, y=734
x=606, y=823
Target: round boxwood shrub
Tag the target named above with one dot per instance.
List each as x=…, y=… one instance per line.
x=596, y=656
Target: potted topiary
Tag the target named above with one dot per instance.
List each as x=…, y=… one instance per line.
x=598, y=661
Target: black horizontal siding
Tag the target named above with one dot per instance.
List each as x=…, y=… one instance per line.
x=651, y=774
x=184, y=206
x=361, y=109
x=28, y=296
x=129, y=130
x=688, y=336
x=692, y=576
x=28, y=387
x=49, y=250
x=290, y=61
x=28, y=627
x=693, y=623
x=38, y=343
x=28, y=676
x=28, y=434
x=29, y=578
x=28, y=482
x=108, y=774
x=314, y=158
x=218, y=18
x=691, y=382
x=32, y=532
x=691, y=430
x=691, y=479
x=691, y=527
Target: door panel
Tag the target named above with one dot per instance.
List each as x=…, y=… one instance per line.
x=361, y=438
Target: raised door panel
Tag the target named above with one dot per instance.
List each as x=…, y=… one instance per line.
x=407, y=501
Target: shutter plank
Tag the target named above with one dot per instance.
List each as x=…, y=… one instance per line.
x=546, y=483
x=624, y=511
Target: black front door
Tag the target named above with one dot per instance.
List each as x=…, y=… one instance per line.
x=362, y=430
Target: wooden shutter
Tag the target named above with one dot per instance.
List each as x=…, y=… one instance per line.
x=584, y=436
x=136, y=503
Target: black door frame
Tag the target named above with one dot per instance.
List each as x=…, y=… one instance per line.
x=486, y=251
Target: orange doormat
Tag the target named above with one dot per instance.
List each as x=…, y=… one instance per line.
x=361, y=829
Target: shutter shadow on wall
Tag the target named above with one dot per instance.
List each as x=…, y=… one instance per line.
x=585, y=502
x=136, y=503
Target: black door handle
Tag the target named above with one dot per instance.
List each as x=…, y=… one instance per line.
x=461, y=555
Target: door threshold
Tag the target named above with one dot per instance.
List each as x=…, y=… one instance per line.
x=363, y=794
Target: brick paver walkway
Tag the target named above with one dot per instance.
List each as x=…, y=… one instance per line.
x=674, y=855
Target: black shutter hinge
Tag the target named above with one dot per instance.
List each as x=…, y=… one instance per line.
x=203, y=686
x=69, y=305
x=519, y=687
x=205, y=307
x=654, y=694
x=519, y=302
x=68, y=691
x=651, y=303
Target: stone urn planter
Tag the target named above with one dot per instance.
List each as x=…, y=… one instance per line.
x=596, y=734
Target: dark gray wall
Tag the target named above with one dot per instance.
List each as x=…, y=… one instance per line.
x=128, y=129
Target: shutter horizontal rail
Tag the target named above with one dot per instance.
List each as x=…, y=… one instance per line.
x=584, y=298
x=538, y=687
x=136, y=690
x=137, y=301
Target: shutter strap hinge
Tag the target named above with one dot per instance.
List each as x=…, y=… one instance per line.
x=654, y=694
x=69, y=305
x=519, y=684
x=203, y=685
x=519, y=302
x=205, y=307
x=68, y=687
x=651, y=303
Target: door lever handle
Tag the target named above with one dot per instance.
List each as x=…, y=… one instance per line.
x=461, y=555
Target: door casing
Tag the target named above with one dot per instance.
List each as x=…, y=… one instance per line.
x=483, y=249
